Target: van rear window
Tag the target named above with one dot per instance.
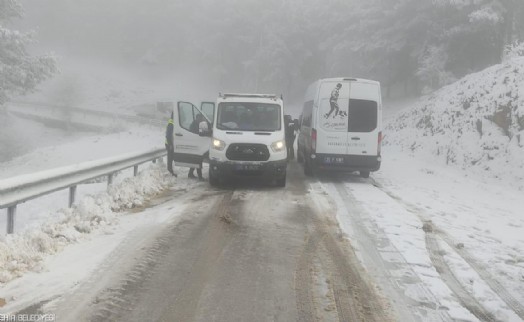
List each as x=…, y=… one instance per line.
x=362, y=115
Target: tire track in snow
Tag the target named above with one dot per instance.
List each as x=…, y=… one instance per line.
x=495, y=286
x=217, y=234
x=356, y=297
x=108, y=294
x=446, y=273
x=305, y=298
x=487, y=277
x=405, y=306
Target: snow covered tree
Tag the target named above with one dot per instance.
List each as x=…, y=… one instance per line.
x=20, y=72
x=282, y=45
x=516, y=49
x=432, y=70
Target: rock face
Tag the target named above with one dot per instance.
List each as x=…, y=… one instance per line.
x=502, y=118
x=476, y=123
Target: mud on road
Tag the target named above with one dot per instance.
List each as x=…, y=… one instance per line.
x=242, y=253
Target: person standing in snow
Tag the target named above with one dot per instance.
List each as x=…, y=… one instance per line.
x=290, y=136
x=170, y=147
x=333, y=101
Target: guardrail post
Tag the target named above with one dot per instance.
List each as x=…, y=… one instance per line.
x=72, y=195
x=11, y=213
x=110, y=179
x=135, y=170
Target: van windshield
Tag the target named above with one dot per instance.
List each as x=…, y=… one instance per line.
x=249, y=116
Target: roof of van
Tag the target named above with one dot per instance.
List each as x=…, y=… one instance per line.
x=352, y=79
x=246, y=97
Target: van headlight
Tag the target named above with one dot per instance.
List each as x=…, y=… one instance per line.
x=218, y=144
x=278, y=146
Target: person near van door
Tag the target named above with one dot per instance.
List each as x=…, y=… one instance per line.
x=170, y=147
x=333, y=101
x=194, y=127
x=290, y=136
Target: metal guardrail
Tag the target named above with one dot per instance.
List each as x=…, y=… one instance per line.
x=16, y=190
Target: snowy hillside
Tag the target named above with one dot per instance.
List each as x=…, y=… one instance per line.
x=476, y=124
x=94, y=87
x=108, y=88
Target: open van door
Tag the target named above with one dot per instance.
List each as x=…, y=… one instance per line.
x=190, y=147
x=208, y=109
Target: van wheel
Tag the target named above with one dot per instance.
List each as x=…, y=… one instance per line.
x=281, y=182
x=308, y=169
x=364, y=174
x=214, y=181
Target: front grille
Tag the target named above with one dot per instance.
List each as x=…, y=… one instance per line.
x=247, y=152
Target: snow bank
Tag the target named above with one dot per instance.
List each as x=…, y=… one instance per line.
x=476, y=124
x=24, y=252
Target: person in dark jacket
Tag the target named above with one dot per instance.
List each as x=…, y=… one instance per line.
x=290, y=136
x=170, y=147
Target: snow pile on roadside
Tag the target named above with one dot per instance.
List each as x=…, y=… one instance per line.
x=25, y=252
x=476, y=123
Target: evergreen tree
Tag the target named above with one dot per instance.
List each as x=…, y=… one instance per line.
x=19, y=72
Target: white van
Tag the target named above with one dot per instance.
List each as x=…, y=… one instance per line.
x=341, y=126
x=247, y=138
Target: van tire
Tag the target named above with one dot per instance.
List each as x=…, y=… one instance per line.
x=281, y=182
x=308, y=169
x=214, y=181
x=364, y=174
x=214, y=178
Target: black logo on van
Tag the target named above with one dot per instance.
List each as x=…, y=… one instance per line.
x=333, y=102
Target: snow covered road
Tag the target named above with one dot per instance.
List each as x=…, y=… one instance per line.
x=407, y=245
x=451, y=243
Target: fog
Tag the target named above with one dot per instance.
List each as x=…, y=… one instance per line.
x=278, y=45
x=191, y=50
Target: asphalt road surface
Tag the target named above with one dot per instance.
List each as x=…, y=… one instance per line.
x=240, y=253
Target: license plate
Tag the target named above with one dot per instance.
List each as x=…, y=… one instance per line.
x=247, y=167
x=333, y=160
